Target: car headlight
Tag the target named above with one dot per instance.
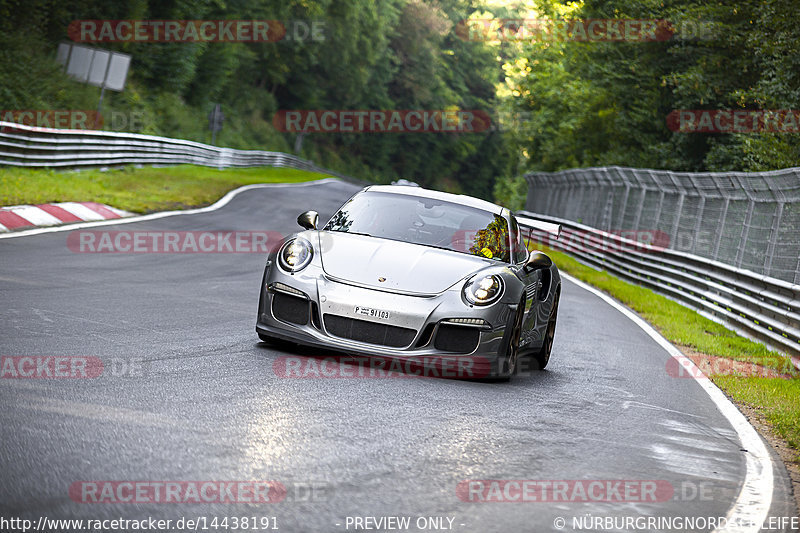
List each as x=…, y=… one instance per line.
x=483, y=289
x=295, y=255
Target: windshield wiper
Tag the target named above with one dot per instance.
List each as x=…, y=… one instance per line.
x=352, y=232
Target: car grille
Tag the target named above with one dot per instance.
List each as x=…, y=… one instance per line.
x=369, y=332
x=459, y=339
x=290, y=308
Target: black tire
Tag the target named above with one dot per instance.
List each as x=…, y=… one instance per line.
x=542, y=357
x=511, y=359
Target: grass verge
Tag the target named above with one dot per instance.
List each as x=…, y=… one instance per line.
x=777, y=399
x=140, y=190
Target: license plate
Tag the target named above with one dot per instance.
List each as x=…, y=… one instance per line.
x=372, y=313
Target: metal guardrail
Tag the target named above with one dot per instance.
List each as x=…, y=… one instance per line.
x=759, y=306
x=28, y=146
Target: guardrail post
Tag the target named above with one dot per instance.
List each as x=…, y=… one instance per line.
x=659, y=207
x=773, y=238
x=698, y=223
x=745, y=230
x=603, y=183
x=721, y=227
x=605, y=221
x=797, y=271
x=594, y=199
x=624, y=205
x=639, y=208
x=676, y=224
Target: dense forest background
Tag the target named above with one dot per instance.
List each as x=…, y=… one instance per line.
x=555, y=104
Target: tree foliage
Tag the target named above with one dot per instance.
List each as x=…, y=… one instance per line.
x=390, y=54
x=565, y=103
x=606, y=103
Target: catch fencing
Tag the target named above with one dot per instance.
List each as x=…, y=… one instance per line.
x=727, y=244
x=746, y=220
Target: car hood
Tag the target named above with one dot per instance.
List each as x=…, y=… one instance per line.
x=405, y=267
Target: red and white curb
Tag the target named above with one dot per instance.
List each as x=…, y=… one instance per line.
x=26, y=216
x=161, y=214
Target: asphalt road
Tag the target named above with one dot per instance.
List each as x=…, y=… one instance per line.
x=188, y=393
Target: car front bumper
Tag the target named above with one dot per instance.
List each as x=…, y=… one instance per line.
x=312, y=309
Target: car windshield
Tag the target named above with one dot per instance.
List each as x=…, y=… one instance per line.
x=425, y=221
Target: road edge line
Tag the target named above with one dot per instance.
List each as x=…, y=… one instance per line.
x=750, y=510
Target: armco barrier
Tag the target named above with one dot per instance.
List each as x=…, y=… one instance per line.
x=28, y=146
x=765, y=308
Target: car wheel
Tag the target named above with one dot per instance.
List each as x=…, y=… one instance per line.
x=512, y=344
x=542, y=357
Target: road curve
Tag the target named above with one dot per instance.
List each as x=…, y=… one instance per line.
x=188, y=393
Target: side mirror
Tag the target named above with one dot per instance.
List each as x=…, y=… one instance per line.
x=537, y=261
x=308, y=220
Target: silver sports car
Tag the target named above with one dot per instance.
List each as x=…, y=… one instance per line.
x=412, y=274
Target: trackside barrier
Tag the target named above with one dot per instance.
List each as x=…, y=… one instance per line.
x=763, y=307
x=29, y=146
x=749, y=220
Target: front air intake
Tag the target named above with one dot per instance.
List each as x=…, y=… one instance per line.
x=369, y=332
x=290, y=308
x=456, y=339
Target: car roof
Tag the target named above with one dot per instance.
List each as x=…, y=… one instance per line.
x=468, y=201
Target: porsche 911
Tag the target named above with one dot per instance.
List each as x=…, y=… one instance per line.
x=407, y=273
